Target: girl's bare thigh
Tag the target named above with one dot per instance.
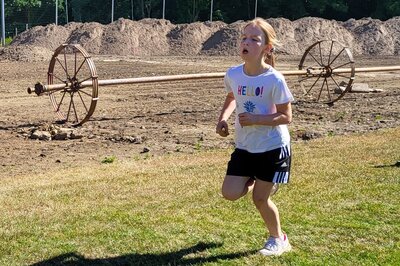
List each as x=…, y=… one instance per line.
x=235, y=187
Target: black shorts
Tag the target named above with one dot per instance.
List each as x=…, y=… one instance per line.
x=271, y=166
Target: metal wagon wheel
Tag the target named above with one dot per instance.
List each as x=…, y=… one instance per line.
x=72, y=65
x=329, y=69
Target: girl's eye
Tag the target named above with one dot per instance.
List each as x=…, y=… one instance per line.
x=252, y=39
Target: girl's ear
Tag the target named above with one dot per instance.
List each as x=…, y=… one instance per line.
x=268, y=48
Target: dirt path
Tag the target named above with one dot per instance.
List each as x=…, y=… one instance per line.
x=133, y=121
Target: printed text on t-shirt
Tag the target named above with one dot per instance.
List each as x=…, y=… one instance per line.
x=250, y=91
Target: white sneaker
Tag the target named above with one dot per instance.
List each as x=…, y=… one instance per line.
x=276, y=246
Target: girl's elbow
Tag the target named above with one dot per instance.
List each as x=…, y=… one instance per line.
x=282, y=119
x=290, y=119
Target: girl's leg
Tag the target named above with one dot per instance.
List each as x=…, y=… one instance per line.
x=235, y=187
x=268, y=210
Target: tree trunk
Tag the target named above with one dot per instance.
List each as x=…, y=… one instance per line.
x=248, y=9
x=148, y=8
x=194, y=13
x=142, y=7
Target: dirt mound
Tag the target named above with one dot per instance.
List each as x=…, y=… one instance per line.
x=139, y=38
x=285, y=32
x=25, y=53
x=372, y=36
x=375, y=37
x=88, y=35
x=160, y=37
x=50, y=36
x=309, y=30
x=188, y=39
x=225, y=41
x=392, y=26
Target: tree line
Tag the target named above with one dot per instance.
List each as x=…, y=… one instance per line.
x=28, y=13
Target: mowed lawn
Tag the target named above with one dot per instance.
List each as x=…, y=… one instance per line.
x=342, y=207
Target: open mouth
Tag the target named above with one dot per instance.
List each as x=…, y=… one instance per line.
x=244, y=51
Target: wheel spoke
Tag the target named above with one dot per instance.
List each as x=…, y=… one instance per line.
x=84, y=92
x=75, y=64
x=320, y=91
x=63, y=81
x=342, y=65
x=69, y=108
x=320, y=53
x=76, y=72
x=330, y=53
x=320, y=64
x=65, y=61
x=80, y=82
x=335, y=81
x=83, y=102
x=65, y=70
x=337, y=56
x=327, y=89
x=338, y=86
x=308, y=77
x=73, y=105
x=313, y=85
x=62, y=99
x=339, y=75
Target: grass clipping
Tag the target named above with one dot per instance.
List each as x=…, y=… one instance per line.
x=341, y=206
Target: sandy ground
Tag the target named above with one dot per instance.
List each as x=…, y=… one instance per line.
x=133, y=121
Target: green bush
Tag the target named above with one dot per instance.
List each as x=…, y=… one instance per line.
x=8, y=40
x=109, y=159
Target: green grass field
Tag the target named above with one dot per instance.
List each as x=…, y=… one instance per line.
x=341, y=208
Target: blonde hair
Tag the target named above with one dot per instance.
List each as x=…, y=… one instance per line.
x=270, y=38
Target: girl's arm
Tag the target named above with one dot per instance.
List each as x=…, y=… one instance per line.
x=282, y=116
x=227, y=109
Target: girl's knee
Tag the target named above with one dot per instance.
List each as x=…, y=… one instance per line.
x=231, y=195
x=260, y=202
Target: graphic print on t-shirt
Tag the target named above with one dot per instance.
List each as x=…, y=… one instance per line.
x=250, y=91
x=249, y=106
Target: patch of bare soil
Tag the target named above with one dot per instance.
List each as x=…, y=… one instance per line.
x=136, y=121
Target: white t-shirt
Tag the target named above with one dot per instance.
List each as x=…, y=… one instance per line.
x=258, y=95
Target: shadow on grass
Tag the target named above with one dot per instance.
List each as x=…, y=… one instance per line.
x=172, y=258
x=396, y=164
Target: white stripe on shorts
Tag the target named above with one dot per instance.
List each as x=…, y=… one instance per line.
x=285, y=152
x=280, y=177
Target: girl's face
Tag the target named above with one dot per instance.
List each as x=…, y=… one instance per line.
x=252, y=45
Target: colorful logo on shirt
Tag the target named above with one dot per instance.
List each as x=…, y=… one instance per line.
x=250, y=91
x=249, y=106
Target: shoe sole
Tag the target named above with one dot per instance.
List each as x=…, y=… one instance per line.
x=287, y=249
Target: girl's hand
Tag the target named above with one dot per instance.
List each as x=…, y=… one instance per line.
x=222, y=128
x=247, y=119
